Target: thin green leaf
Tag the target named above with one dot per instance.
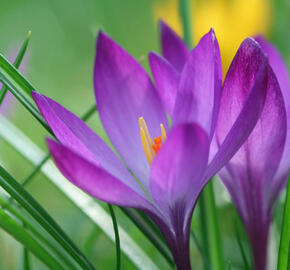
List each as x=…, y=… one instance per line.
x=284, y=249
x=16, y=64
x=184, y=11
x=117, y=238
x=16, y=231
x=25, y=259
x=242, y=250
x=42, y=217
x=199, y=248
x=35, y=170
x=87, y=205
x=210, y=228
x=20, y=88
x=20, y=215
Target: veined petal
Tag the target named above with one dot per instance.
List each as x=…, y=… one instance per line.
x=281, y=72
x=124, y=93
x=166, y=79
x=243, y=97
x=93, y=179
x=200, y=86
x=173, y=47
x=255, y=164
x=80, y=138
x=176, y=172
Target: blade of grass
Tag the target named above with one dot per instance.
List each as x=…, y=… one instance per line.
x=17, y=213
x=284, y=249
x=241, y=247
x=87, y=205
x=117, y=238
x=42, y=217
x=16, y=231
x=201, y=252
x=185, y=12
x=16, y=64
x=25, y=259
x=211, y=228
x=20, y=88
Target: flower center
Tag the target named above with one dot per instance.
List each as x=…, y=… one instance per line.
x=150, y=147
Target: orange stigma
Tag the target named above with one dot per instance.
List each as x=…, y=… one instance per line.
x=157, y=144
x=150, y=147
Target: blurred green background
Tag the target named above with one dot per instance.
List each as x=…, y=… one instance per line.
x=59, y=63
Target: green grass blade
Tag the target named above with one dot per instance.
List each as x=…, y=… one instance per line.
x=199, y=248
x=16, y=63
x=284, y=249
x=117, y=238
x=241, y=247
x=20, y=88
x=185, y=13
x=25, y=259
x=210, y=228
x=42, y=217
x=16, y=231
x=85, y=203
x=5, y=203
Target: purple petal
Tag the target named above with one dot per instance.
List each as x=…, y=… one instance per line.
x=93, y=179
x=173, y=47
x=200, y=86
x=281, y=72
x=75, y=134
x=177, y=170
x=253, y=167
x=124, y=92
x=243, y=97
x=166, y=79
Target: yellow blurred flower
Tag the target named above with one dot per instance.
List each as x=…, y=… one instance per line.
x=232, y=20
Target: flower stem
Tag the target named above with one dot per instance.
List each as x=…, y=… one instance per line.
x=184, y=11
x=284, y=249
x=210, y=228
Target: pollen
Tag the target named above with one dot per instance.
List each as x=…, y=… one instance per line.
x=150, y=147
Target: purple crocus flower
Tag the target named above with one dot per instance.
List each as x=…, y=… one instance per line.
x=171, y=164
x=257, y=173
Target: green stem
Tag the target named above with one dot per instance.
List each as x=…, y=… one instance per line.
x=117, y=237
x=184, y=11
x=210, y=228
x=284, y=249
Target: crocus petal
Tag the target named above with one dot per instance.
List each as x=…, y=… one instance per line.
x=93, y=179
x=281, y=72
x=242, y=101
x=166, y=79
x=178, y=168
x=257, y=161
x=173, y=47
x=200, y=86
x=75, y=134
x=124, y=92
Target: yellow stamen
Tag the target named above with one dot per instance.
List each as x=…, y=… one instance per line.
x=150, y=148
x=163, y=133
x=145, y=145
